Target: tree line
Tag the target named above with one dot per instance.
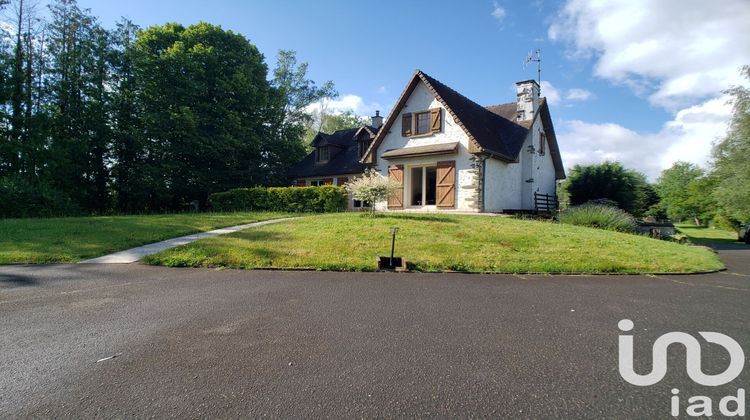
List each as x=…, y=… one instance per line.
x=685, y=191
x=127, y=119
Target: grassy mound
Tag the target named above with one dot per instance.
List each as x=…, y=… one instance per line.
x=352, y=242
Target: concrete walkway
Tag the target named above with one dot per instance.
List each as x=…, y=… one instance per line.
x=134, y=254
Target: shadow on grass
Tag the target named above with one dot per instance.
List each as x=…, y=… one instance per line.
x=417, y=217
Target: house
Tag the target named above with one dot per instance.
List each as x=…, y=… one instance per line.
x=449, y=153
x=336, y=158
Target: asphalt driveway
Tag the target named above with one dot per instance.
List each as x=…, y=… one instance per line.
x=226, y=343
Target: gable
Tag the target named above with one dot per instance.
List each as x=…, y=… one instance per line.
x=487, y=132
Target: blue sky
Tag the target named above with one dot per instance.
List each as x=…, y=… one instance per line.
x=632, y=80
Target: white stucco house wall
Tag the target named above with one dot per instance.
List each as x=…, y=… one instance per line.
x=449, y=153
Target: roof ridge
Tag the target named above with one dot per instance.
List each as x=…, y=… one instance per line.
x=449, y=88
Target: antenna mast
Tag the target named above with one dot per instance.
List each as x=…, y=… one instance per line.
x=535, y=56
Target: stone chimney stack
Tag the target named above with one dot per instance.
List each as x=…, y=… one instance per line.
x=377, y=120
x=527, y=93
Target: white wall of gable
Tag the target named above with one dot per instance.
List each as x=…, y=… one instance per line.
x=421, y=99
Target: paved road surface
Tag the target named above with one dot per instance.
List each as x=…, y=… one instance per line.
x=225, y=343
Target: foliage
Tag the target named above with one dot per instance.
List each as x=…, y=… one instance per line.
x=372, y=188
x=598, y=216
x=133, y=120
x=22, y=198
x=291, y=116
x=330, y=123
x=732, y=158
x=281, y=199
x=687, y=193
x=429, y=242
x=347, y=119
x=71, y=239
x=609, y=180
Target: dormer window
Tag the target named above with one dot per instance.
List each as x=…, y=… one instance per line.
x=542, y=143
x=364, y=144
x=323, y=154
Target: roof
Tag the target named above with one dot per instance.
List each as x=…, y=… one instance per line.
x=344, y=160
x=430, y=149
x=493, y=130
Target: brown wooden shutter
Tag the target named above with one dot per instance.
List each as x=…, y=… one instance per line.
x=300, y=183
x=342, y=180
x=326, y=181
x=435, y=120
x=406, y=125
x=446, y=183
x=396, y=173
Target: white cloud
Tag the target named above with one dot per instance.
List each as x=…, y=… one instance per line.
x=556, y=96
x=676, y=52
x=551, y=92
x=679, y=54
x=576, y=94
x=497, y=12
x=687, y=137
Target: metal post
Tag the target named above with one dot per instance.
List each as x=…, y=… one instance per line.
x=393, y=244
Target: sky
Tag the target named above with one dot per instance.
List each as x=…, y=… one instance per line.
x=637, y=81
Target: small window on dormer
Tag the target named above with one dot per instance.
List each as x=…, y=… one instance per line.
x=520, y=115
x=363, y=146
x=542, y=143
x=324, y=153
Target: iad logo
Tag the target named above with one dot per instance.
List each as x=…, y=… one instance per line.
x=699, y=405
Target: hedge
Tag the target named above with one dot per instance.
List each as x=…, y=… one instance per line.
x=283, y=199
x=20, y=197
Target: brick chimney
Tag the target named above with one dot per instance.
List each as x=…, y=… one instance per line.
x=377, y=120
x=527, y=104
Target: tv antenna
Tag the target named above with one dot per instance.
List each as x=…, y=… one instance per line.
x=535, y=57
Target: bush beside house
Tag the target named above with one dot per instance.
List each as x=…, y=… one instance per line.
x=599, y=216
x=324, y=199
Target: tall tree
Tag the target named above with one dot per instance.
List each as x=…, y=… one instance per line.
x=291, y=116
x=205, y=98
x=732, y=158
x=683, y=192
x=130, y=182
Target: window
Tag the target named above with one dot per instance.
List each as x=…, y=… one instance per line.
x=542, y=143
x=363, y=145
x=323, y=154
x=422, y=123
x=316, y=183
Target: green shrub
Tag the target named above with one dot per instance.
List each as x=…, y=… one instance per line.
x=599, y=216
x=325, y=199
x=20, y=197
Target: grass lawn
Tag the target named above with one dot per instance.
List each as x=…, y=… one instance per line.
x=71, y=239
x=350, y=241
x=708, y=236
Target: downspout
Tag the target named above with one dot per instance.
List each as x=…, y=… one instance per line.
x=484, y=171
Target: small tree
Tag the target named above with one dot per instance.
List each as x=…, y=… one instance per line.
x=372, y=188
